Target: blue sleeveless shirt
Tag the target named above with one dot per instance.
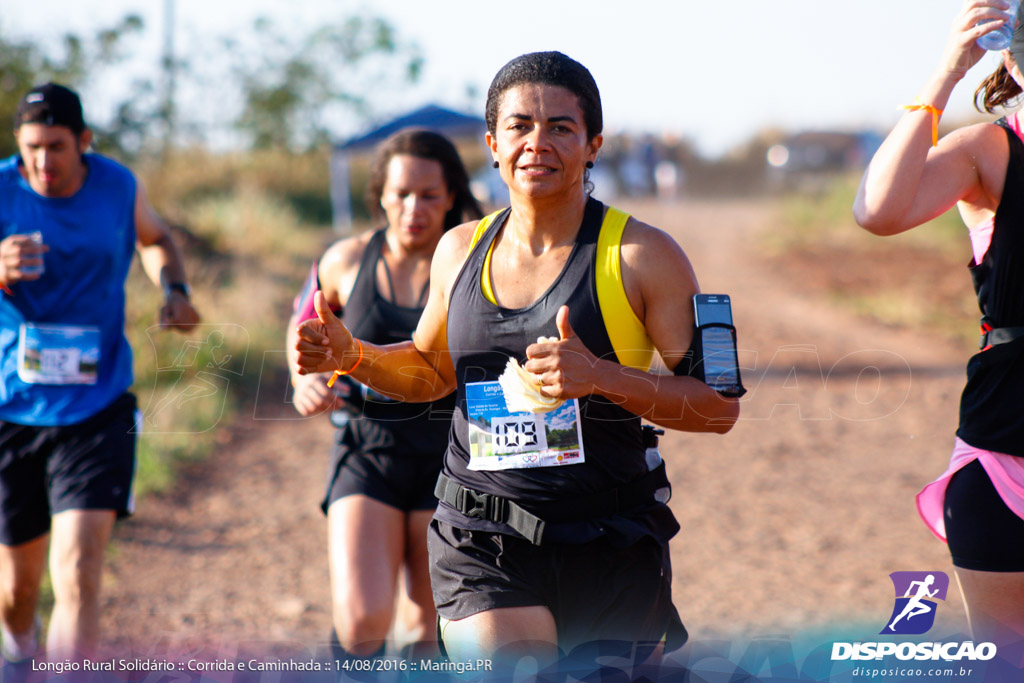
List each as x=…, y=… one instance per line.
x=91, y=236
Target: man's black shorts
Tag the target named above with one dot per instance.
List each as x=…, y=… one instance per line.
x=46, y=470
x=405, y=482
x=594, y=590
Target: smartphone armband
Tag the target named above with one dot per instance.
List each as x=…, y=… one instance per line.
x=712, y=359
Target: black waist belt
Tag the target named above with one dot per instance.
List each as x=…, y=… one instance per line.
x=1000, y=335
x=530, y=523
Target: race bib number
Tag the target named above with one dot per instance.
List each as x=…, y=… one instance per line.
x=500, y=440
x=58, y=354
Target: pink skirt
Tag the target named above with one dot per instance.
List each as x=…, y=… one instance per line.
x=1005, y=471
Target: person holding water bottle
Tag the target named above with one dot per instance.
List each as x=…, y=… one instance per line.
x=977, y=505
x=70, y=222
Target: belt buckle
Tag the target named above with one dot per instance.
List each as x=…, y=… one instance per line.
x=476, y=504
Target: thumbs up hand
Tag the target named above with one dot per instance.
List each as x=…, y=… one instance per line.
x=324, y=343
x=563, y=368
x=565, y=332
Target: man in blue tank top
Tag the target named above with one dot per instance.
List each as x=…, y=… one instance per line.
x=70, y=224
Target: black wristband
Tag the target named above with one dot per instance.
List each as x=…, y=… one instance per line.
x=179, y=287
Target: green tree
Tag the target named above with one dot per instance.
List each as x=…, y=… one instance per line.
x=26, y=62
x=291, y=86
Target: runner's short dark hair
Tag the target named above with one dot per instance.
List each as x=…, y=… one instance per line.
x=548, y=68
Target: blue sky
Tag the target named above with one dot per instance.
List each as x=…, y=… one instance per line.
x=712, y=72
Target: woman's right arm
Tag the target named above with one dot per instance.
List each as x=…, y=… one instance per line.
x=418, y=370
x=910, y=182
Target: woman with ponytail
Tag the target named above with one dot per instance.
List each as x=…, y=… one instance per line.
x=977, y=505
x=386, y=454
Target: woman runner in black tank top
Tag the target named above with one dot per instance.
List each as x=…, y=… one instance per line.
x=980, y=169
x=387, y=452
x=599, y=570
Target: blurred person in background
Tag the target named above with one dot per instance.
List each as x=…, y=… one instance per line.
x=387, y=454
x=71, y=222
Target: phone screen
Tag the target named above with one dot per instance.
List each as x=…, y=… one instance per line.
x=721, y=371
x=712, y=308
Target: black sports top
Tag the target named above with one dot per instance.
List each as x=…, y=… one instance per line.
x=481, y=338
x=419, y=428
x=991, y=403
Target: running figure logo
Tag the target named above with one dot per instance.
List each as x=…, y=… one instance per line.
x=917, y=594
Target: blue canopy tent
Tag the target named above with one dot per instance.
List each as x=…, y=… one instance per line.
x=450, y=123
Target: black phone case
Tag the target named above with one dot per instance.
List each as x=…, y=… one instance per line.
x=695, y=357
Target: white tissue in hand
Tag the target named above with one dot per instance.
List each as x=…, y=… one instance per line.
x=521, y=394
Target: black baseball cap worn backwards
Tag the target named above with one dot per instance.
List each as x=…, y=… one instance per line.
x=52, y=105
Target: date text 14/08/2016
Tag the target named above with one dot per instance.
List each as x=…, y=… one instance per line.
x=385, y=664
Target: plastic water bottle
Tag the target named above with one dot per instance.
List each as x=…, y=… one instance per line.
x=999, y=39
x=653, y=458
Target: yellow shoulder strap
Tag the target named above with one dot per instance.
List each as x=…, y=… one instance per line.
x=481, y=228
x=629, y=338
x=485, y=272
x=632, y=345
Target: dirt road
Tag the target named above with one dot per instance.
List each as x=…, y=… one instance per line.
x=793, y=521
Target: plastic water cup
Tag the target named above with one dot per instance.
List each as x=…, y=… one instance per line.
x=37, y=238
x=1001, y=37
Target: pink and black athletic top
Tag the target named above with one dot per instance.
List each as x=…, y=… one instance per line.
x=991, y=402
x=991, y=430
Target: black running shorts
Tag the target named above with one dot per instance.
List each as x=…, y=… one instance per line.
x=594, y=590
x=405, y=481
x=982, y=532
x=46, y=470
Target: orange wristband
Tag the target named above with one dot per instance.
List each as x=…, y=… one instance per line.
x=341, y=373
x=934, y=111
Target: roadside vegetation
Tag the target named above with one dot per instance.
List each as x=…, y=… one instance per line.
x=250, y=226
x=917, y=279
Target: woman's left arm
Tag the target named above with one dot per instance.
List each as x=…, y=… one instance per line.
x=660, y=284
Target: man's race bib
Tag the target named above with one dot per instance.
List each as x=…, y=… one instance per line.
x=58, y=354
x=500, y=440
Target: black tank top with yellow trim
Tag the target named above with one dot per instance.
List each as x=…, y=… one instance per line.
x=483, y=335
x=385, y=425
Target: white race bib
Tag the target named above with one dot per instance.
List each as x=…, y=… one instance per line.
x=500, y=440
x=58, y=354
